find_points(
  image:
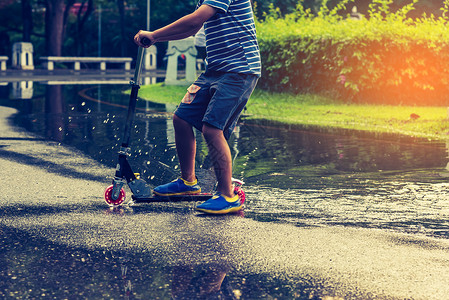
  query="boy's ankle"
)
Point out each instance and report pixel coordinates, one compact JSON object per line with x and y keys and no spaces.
{"x":227,"y":195}
{"x":190,"y":180}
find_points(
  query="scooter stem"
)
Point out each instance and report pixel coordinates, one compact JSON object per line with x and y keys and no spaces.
{"x":123,"y":171}
{"x":138,"y":68}
{"x":135,"y":85}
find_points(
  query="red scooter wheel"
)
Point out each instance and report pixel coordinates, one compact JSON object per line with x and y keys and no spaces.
{"x":108,"y":196}
{"x":239,"y":191}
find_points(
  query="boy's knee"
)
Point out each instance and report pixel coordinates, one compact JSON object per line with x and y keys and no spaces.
{"x":210,"y":132}
{"x":178,"y":122}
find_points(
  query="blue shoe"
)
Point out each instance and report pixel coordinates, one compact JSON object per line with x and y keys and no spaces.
{"x":220,"y":204}
{"x":178,"y":187}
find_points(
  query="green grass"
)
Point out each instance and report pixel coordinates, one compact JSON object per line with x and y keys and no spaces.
{"x":326,"y":112}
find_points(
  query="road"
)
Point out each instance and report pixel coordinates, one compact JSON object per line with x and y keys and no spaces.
{"x":53,"y":193}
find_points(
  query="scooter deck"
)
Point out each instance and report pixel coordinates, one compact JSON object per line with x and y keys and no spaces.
{"x":176,"y":198}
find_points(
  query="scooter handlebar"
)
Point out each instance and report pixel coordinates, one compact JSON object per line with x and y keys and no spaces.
{"x":146,"y":41}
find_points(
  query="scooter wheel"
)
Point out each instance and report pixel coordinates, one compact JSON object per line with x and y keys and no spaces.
{"x":239,"y":191}
{"x":108,"y":196}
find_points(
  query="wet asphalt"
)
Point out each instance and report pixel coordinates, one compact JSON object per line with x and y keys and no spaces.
{"x":54,"y":193}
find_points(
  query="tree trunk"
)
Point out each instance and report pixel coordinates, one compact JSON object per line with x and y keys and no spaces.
{"x":27,"y":19}
{"x":121,"y":9}
{"x":54,"y":26}
{"x":81,"y":20}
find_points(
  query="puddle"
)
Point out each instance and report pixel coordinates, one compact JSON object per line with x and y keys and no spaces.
{"x":309,"y":177}
{"x":98,"y":274}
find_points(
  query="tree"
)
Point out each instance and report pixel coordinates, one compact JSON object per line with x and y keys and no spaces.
{"x":121,"y":9}
{"x":57,"y":27}
{"x":83,"y":13}
{"x":285,"y":6}
{"x":55,"y":20}
{"x":27,"y":19}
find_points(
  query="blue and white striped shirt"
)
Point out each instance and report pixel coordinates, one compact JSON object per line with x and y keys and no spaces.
{"x":231,"y":42}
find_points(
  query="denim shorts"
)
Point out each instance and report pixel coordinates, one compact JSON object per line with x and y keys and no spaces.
{"x":217,"y":99}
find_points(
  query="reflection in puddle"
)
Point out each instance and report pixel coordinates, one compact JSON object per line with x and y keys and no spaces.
{"x":405,"y":207}
{"x":22,"y":90}
{"x":39,"y":269}
{"x":308,"y":177}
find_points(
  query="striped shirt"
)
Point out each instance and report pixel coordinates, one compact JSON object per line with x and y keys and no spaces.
{"x":231,"y":41}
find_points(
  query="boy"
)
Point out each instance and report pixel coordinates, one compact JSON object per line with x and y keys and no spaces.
{"x":215,"y":100}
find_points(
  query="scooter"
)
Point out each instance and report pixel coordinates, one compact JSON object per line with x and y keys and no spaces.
{"x":114,"y":194}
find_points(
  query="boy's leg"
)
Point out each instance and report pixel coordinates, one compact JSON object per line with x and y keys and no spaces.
{"x":231,"y":92}
{"x":221,"y":158}
{"x":185,"y":147}
{"x":225,"y":200}
{"x":189,"y":114}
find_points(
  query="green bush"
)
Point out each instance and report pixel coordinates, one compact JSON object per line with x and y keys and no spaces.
{"x":385,"y":57}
